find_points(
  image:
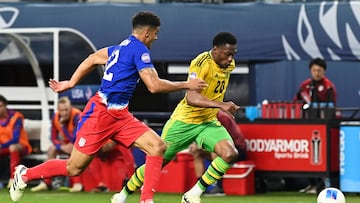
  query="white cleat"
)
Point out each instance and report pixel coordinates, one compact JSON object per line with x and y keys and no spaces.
{"x":116,"y":198}
{"x":77,"y":187}
{"x":186,"y":198}
{"x":18,"y":186}
{"x":11,"y":180}
{"x":41,"y":187}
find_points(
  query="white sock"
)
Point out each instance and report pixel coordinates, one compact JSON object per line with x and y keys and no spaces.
{"x":195,"y":191}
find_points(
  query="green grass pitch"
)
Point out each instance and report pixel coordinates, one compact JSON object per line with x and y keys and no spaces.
{"x":82,"y":197}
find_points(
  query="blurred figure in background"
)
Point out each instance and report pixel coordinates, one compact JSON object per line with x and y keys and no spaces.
{"x":316,"y":90}
{"x":201,"y":155}
{"x":63,"y":134}
{"x":111,"y":155}
{"x":14,"y":142}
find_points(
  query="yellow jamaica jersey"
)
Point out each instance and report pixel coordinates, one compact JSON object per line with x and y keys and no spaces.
{"x":205,"y":68}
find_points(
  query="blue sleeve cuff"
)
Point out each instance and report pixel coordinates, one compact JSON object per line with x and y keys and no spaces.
{"x":58,"y":147}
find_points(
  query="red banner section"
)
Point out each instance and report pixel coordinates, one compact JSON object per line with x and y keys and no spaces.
{"x":290,"y":147}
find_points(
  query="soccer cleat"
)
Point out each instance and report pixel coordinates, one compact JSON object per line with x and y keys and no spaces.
{"x":11,"y":180}
{"x":116,"y":198}
{"x":77,"y":187}
{"x":100,"y":189}
{"x":190,"y":199}
{"x":309,"y":187}
{"x":41,"y":187}
{"x":18,"y":186}
{"x":312,"y":190}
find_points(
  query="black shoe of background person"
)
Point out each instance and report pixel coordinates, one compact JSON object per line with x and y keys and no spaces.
{"x":100,"y":189}
{"x":216,"y":191}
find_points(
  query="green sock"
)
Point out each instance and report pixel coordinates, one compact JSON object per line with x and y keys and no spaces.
{"x":135,"y":182}
{"x":214,"y":173}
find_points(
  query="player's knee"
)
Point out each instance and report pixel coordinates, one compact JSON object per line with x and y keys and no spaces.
{"x":15,"y":148}
{"x":73,"y":170}
{"x":229,"y":155}
{"x":161,"y":146}
{"x":158,"y":148}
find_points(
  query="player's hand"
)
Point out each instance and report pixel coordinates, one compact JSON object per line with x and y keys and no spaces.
{"x":230,"y":108}
{"x":196,"y":84}
{"x":59,"y":86}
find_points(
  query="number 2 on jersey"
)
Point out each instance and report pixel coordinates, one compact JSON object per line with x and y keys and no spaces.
{"x":113,"y":59}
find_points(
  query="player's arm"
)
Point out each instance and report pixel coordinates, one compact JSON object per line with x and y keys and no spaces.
{"x":100,"y":57}
{"x":195,"y":98}
{"x":156,"y":85}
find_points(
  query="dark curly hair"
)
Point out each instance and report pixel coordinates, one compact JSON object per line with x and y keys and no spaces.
{"x":145,"y":18}
{"x":318,"y":61}
{"x":224,"y":38}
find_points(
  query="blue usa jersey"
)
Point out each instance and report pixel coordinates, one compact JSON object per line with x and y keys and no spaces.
{"x":122,"y":72}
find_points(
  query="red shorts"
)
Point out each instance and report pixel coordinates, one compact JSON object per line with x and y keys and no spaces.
{"x":6,"y":151}
{"x":98,"y":124}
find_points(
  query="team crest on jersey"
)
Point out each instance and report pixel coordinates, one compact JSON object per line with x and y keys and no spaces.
{"x":192,"y":75}
{"x":82,"y":142}
{"x":145,"y":57}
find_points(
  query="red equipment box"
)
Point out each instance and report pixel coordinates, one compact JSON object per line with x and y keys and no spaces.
{"x":240,"y":179}
{"x":179,"y":175}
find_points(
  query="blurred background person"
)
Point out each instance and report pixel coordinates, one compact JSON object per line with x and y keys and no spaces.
{"x":63,"y":134}
{"x":113,"y":161}
{"x":14,"y":142}
{"x":318,"y":88}
{"x":315,"y":90}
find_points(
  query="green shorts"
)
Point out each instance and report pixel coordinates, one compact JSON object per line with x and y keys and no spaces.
{"x":179,"y":135}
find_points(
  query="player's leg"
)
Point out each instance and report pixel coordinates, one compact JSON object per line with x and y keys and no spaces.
{"x":15,"y":157}
{"x":4,"y":152}
{"x":171,"y":133}
{"x":51,"y":154}
{"x":199,"y":156}
{"x":136,"y":133}
{"x":89,"y":140}
{"x":58,"y":167}
{"x":54,"y":167}
{"x":14,"y":152}
{"x":46,"y":183}
{"x":154,"y":148}
{"x":77,"y":186}
{"x":216,"y":139}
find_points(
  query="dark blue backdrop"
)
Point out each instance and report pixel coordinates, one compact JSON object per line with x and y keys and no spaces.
{"x":265,"y":31}
{"x":291,"y":34}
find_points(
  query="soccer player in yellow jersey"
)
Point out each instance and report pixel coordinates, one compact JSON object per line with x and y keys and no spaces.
{"x":194,"y":119}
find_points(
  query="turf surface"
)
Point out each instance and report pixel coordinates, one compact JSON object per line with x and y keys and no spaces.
{"x":66,"y":197}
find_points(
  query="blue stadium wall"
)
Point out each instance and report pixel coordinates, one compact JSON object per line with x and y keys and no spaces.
{"x":277,"y":40}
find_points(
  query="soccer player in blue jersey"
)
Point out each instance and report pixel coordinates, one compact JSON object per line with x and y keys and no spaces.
{"x":106,"y":114}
